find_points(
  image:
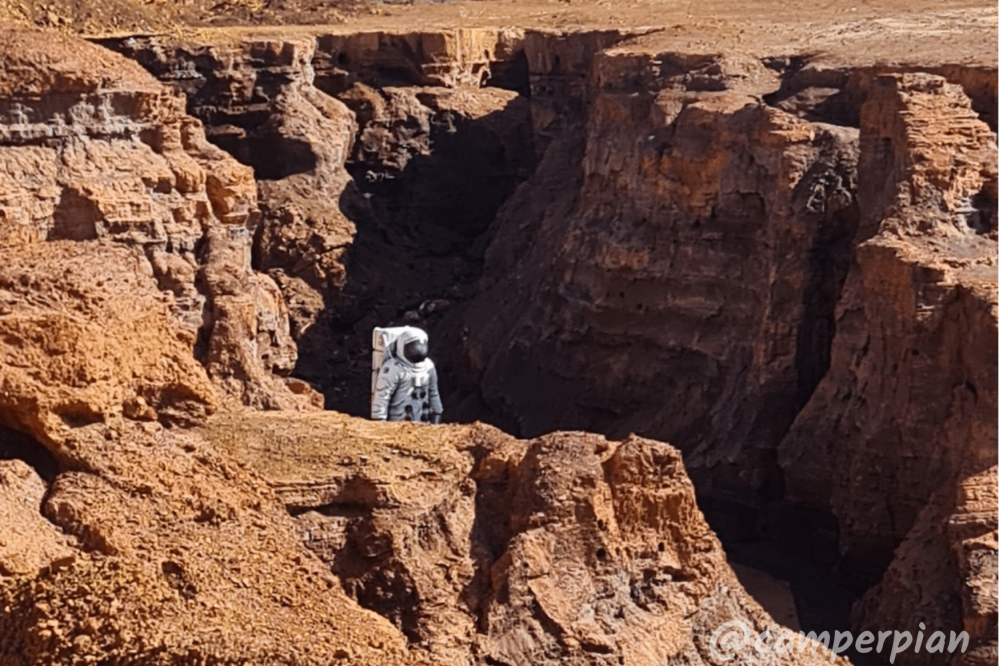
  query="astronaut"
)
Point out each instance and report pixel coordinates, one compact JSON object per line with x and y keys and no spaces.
{"x":406,"y":387}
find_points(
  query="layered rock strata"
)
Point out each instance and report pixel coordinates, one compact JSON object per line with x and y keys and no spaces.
{"x":96,"y":152}
{"x":257,"y":101}
{"x":907,"y":411}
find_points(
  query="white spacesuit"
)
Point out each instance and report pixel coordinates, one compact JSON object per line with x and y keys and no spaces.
{"x":406,"y":387}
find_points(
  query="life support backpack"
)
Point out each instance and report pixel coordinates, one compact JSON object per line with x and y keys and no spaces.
{"x":383,"y":348}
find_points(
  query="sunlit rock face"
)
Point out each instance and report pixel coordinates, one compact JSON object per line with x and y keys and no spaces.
{"x":95,"y":151}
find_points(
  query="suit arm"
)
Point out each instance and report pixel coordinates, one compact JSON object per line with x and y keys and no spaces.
{"x":436,"y":407}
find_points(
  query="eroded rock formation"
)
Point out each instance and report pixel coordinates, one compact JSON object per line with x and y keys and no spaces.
{"x":131,"y":312}
{"x":258,"y":103}
{"x":180,"y":553}
{"x":725,"y":216}
{"x":96,"y":152}
{"x":785,"y":266}
{"x":29,"y":542}
{"x":567,"y":549}
{"x":88,"y":336}
{"x":380,"y":165}
{"x":788,"y":271}
{"x":901,"y":414}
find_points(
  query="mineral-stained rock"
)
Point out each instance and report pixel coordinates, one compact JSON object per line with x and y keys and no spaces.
{"x":486,"y":549}
{"x":92,"y":148}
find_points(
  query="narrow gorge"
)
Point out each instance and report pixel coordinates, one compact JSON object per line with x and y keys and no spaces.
{"x":708,"y":306}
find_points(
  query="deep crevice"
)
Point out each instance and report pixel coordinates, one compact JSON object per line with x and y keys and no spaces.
{"x":829,"y":260}
{"x":15,"y":445}
{"x":420,"y":243}
{"x":272,"y":157}
{"x":421,"y":236}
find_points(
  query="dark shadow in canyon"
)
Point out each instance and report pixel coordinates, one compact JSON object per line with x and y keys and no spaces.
{"x":418,"y":251}
{"x":272,"y":157}
{"x":796,"y":544}
{"x":15,"y":445}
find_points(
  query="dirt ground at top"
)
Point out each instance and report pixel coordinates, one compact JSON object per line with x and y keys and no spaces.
{"x":900,"y":31}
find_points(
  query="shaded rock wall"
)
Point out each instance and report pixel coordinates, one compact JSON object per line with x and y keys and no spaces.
{"x":899,"y":436}
{"x":367,"y":214}
{"x":725,"y":215}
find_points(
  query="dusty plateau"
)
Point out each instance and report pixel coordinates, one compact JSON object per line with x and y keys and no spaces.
{"x":711,"y":288}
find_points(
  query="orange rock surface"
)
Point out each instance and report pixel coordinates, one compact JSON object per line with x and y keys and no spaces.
{"x":765,"y":236}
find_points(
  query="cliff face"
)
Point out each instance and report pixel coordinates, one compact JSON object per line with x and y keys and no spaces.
{"x":783,"y":265}
{"x":692,"y":215}
{"x":257,"y":101}
{"x":99,"y":157}
{"x":900,"y":437}
{"x":788,"y":271}
{"x":902,"y":394}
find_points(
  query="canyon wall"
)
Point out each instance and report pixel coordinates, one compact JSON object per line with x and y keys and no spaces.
{"x":702,"y":248}
{"x":624,"y":271}
{"x":787,"y":271}
{"x":784,"y":267}
{"x":101,"y":159}
{"x":899,"y":439}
